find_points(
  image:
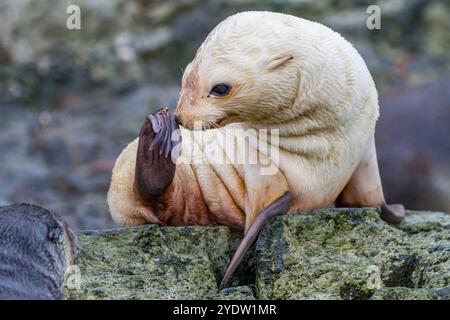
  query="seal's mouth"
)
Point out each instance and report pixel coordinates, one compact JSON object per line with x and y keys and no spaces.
{"x":203,"y":123}
{"x":220,"y":123}
{"x":225,"y":121}
{"x":209,"y":125}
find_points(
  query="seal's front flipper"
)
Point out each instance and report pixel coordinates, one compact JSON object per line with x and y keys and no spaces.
{"x":155,"y":163}
{"x":278,"y":207}
{"x":364,"y":188}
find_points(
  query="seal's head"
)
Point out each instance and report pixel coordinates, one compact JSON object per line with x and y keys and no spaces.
{"x":37,"y":248}
{"x":240,"y":66}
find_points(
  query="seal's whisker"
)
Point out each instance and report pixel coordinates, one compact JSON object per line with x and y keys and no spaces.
{"x":215,"y":126}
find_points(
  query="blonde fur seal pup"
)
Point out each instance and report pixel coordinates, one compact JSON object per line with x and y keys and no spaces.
{"x":254,"y":71}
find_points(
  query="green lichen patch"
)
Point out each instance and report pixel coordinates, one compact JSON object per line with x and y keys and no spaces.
{"x":401,"y":293}
{"x":428,"y":234}
{"x":236,"y":293}
{"x":154,"y":263}
{"x":325,"y":254}
{"x":420,"y":222}
{"x":350,"y":254}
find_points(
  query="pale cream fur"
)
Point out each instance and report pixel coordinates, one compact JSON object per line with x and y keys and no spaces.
{"x":323,"y":101}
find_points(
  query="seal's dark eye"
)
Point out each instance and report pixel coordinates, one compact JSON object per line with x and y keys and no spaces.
{"x":220,"y":90}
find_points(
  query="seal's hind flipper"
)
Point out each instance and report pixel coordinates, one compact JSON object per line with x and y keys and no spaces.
{"x":364,"y":188}
{"x":393,"y":213}
{"x":278,"y":207}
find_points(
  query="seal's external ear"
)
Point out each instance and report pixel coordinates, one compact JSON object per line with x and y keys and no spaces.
{"x":278,"y":61}
{"x":55,"y":234}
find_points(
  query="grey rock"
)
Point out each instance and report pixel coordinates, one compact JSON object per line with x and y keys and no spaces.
{"x":155,"y":263}
{"x":402,"y":293}
{"x":325,"y":254}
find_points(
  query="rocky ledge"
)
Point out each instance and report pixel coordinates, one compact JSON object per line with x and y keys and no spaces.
{"x":326,"y":254}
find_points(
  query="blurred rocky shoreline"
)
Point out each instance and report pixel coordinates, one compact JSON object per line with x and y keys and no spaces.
{"x":70,"y":100}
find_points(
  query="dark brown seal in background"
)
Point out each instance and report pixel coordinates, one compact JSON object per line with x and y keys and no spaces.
{"x":413,"y":143}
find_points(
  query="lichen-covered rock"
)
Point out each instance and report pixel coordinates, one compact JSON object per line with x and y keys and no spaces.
{"x":330,"y":254}
{"x":155,"y":263}
{"x":351,"y":254}
{"x":428,"y":234}
{"x":402,"y":293}
{"x":325,"y":254}
{"x":236,"y":293}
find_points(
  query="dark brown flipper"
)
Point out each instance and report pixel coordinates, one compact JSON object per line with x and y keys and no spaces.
{"x":276,"y":208}
{"x":155,"y":166}
{"x":393,"y":213}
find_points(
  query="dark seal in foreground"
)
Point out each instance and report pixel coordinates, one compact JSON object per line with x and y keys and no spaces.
{"x":36,"y":248}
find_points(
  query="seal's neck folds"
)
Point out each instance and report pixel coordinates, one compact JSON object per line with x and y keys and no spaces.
{"x":302,"y":135}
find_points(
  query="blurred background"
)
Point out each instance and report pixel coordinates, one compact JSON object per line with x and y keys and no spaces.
{"x":70,"y":100}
